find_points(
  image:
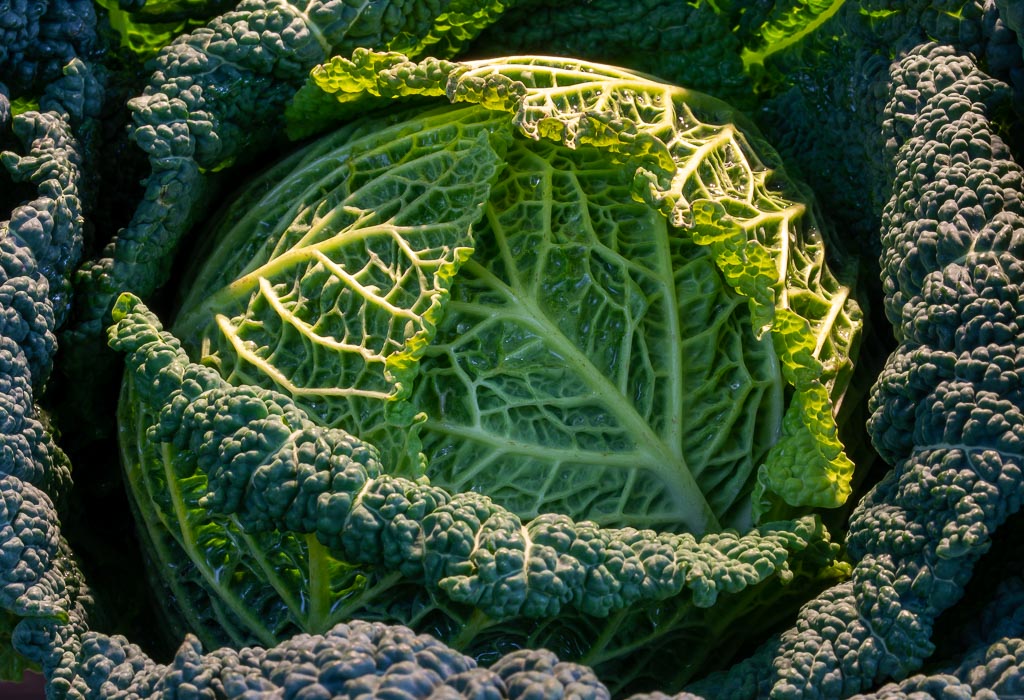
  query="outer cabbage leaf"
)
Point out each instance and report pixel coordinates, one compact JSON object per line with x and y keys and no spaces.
{"x":42,"y":180}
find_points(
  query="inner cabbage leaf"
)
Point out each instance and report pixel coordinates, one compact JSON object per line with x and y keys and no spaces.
{"x":592,"y":361}
{"x":585,"y":293}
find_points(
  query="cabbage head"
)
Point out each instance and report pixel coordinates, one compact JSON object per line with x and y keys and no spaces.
{"x":585,"y":307}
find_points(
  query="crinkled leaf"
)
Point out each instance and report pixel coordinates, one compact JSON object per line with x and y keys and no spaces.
{"x":337,"y":295}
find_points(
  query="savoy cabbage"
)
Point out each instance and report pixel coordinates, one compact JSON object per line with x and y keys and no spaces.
{"x":577,"y":292}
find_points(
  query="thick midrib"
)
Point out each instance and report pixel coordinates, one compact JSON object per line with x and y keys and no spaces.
{"x":185,"y":535}
{"x":243,"y":287}
{"x":656,"y":455}
{"x":670,"y":307}
{"x":320,"y":597}
{"x":191,"y":546}
{"x":501,"y":443}
{"x":155,"y":522}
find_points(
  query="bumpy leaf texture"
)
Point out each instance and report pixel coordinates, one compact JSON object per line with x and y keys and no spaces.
{"x":39,"y":37}
{"x":356,"y":660}
{"x":39,"y":245}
